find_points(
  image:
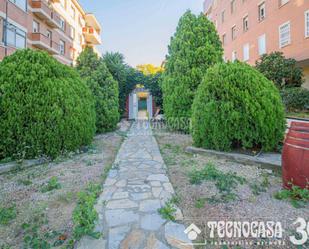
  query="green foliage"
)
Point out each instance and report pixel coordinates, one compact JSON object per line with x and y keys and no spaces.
{"x":51,"y":185}
{"x":295,"y":99}
{"x":193,"y":49}
{"x":297,"y":196}
{"x":153,"y":83}
{"x":200,"y":203}
{"x":7,"y":214}
{"x":259,"y":187}
{"x":45,"y":108}
{"x":104,"y":89}
{"x":119,"y":70}
{"x":168,"y":211}
{"x":237,"y":107}
{"x":225,"y":182}
{"x":85,"y":215}
{"x":282,"y":71}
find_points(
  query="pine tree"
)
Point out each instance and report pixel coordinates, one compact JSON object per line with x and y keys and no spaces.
{"x":104,"y":89}
{"x":193,"y":49}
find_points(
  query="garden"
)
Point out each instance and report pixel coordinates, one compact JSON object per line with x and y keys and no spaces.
{"x":61,"y":128}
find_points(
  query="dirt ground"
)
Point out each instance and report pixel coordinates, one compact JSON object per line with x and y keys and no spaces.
{"x":199,"y":206}
{"x":52,"y":211}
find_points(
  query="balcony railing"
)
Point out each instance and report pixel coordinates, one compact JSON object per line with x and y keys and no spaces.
{"x":42,"y":9}
{"x":43,"y":42}
{"x":91,"y":35}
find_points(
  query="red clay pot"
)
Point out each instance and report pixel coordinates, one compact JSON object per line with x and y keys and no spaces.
{"x":295,"y":156}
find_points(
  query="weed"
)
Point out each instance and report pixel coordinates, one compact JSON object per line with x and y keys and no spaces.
{"x":51,"y":185}
{"x":200,"y":202}
{"x":85,"y":215}
{"x":225,"y":182}
{"x":7,"y":214}
{"x":259,"y":187}
{"x":175,"y":199}
{"x":297,"y":196}
{"x":167,"y":212}
{"x":66,"y":197}
{"x":25,"y":182}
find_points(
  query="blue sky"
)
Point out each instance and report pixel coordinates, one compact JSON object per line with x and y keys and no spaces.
{"x":139,"y":29}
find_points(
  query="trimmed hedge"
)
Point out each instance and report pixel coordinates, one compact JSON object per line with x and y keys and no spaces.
{"x":194,"y":48}
{"x":236,"y":106}
{"x":104,"y":89}
{"x":295,"y":99}
{"x":45,"y":108}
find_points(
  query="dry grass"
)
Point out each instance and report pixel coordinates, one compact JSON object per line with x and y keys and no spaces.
{"x":199,"y":204}
{"x":52,"y":211}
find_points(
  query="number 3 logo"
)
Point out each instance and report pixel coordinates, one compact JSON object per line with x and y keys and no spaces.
{"x":301,"y":230}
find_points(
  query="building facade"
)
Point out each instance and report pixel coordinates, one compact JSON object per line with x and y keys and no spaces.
{"x":60,"y":27}
{"x":250,"y":28}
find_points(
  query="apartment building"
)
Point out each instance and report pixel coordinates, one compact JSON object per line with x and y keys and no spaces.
{"x":251,"y":28}
{"x":60,"y":27}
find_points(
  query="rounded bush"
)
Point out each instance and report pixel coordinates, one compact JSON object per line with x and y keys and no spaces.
{"x":236,"y":106}
{"x":45,"y":108}
{"x":295,"y":99}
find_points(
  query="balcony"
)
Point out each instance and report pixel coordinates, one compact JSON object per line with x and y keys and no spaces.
{"x":43,"y":42}
{"x":42,"y":10}
{"x":91,"y":35}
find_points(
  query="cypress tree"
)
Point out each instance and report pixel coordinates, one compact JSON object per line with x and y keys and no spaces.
{"x":104,"y":89}
{"x":193,"y":49}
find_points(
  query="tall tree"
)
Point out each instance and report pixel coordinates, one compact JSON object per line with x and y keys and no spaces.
{"x":149,"y":69}
{"x":104,"y":89}
{"x":193,"y":49}
{"x":119,"y":70}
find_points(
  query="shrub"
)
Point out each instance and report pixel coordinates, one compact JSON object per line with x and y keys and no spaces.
{"x":295,"y":98}
{"x":104,"y":89}
{"x":193,"y":49}
{"x":236,"y":106}
{"x":45,"y":108}
{"x":282,"y":71}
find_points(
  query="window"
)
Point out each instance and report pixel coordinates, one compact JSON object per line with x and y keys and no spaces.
{"x":284,"y":34}
{"x":72,"y":32}
{"x":283,"y":2}
{"x":223,"y":16}
{"x":262,"y":44}
{"x":49,"y":34}
{"x":234,"y":56}
{"x":245,"y":23}
{"x":72,"y":12}
{"x":232,"y":6}
{"x":246,"y":51}
{"x":307,"y":23}
{"x":223,"y":39}
{"x":35,"y":27}
{"x":62,"y":23}
{"x":62,"y":47}
{"x":262,"y":11}
{"x":233,"y":32}
{"x":20,"y":3}
{"x":14,"y":36}
{"x":1,"y":30}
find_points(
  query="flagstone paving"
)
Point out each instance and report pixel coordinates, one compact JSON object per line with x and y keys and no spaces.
{"x":134,"y":190}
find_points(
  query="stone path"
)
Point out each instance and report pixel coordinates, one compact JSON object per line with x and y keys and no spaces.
{"x":134,"y":190}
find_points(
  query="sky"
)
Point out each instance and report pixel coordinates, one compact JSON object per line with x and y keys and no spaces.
{"x":139,"y":29}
